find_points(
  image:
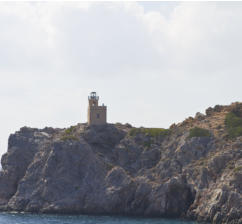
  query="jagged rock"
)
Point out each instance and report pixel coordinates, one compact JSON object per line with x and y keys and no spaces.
{"x":218,"y":108}
{"x":22,"y":147}
{"x":193,"y":149}
{"x":105,"y":170}
{"x":199,"y":116}
{"x":209,"y":111}
{"x":103,"y":135}
{"x":219,"y":162}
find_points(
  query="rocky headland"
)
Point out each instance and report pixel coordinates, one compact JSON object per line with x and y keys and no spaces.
{"x":191,"y":170}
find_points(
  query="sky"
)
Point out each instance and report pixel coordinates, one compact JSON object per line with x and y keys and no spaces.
{"x":151,"y":63}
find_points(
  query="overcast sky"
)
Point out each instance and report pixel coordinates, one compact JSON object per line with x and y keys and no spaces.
{"x":152,"y":64}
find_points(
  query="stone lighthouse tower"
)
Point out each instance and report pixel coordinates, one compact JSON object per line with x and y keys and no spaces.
{"x":96,"y":115}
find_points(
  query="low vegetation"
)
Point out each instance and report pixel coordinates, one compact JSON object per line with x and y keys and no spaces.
{"x":69,"y":130}
{"x":238,"y":169}
{"x":199,"y":132}
{"x":68,"y":134}
{"x":69,"y":137}
{"x":233,"y":124}
{"x":153,"y":132}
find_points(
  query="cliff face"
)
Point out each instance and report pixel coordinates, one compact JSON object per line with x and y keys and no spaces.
{"x":115,"y":169}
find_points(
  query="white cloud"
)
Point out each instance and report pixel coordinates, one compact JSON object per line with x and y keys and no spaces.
{"x":152,"y":63}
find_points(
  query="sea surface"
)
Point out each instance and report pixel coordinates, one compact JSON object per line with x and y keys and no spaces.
{"x":16,"y":218}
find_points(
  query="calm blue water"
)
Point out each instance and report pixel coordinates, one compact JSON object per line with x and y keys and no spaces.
{"x":9,"y":218}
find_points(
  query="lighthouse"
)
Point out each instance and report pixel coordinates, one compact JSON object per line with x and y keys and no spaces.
{"x":96,"y":115}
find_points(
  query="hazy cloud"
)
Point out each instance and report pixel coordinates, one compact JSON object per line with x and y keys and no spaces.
{"x":152,"y":63}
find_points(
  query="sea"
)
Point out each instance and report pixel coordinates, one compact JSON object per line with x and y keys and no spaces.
{"x":22,"y":218}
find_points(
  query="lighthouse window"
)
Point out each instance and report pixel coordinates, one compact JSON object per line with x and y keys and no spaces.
{"x":98,"y":115}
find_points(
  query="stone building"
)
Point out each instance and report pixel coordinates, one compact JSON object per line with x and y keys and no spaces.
{"x":97,"y":115}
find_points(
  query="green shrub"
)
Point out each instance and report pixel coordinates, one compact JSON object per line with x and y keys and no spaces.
{"x":232,"y":120}
{"x":238,"y":169}
{"x":69,"y":130}
{"x":134,"y":131}
{"x":199,"y":132}
{"x":69,"y":137}
{"x":153,"y":132}
{"x":237,"y":110}
{"x":233,"y":124}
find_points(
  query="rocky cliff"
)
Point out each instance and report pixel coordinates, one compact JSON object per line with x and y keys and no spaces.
{"x":191,"y":170}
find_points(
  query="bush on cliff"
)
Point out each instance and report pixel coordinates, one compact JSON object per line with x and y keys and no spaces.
{"x":199,"y":132}
{"x":68,"y":134}
{"x":233,"y":124}
{"x":153,"y":132}
{"x":69,"y":137}
{"x":237,"y":109}
{"x":155,"y":135}
{"x":69,"y":130}
{"x":238,"y":169}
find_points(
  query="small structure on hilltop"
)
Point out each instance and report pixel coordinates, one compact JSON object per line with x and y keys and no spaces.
{"x":97,"y":115}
